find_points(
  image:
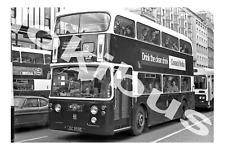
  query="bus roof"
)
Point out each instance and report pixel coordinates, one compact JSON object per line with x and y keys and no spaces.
{"x":127,"y":14}
{"x":203,"y":71}
{"x":24,"y":49}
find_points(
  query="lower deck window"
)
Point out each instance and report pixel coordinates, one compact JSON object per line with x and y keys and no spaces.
{"x":23,"y":84}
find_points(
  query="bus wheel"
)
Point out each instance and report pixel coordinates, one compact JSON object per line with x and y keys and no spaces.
{"x":138,"y":122}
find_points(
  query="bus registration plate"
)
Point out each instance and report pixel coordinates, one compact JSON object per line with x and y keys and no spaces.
{"x":71,"y":128}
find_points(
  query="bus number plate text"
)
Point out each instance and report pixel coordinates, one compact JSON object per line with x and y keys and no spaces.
{"x":71,"y":128}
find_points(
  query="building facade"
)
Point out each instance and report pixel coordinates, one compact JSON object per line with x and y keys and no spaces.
{"x":209,"y":21}
{"x":26,"y":22}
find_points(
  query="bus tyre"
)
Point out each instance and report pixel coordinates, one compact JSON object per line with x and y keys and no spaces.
{"x":138,"y":122}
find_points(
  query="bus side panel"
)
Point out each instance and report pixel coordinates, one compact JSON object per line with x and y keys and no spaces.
{"x":157,"y":115}
{"x":154,"y":117}
{"x":187,"y":99}
{"x":123,"y":50}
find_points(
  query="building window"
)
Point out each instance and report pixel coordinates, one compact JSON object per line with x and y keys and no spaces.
{"x":13,"y":12}
{"x":47,"y":21}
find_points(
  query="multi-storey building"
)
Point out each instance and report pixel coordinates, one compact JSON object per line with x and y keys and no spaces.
{"x":147,"y":12}
{"x":27,"y":21}
{"x":175,"y":18}
{"x":200,"y":40}
{"x":209,"y":21}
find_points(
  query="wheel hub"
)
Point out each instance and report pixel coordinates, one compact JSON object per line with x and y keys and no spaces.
{"x":140,"y":119}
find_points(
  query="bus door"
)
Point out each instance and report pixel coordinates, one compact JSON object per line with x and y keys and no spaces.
{"x":122,"y":102}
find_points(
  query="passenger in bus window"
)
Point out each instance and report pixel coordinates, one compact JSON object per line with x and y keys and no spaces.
{"x":157,"y":86}
{"x":184,"y":49}
{"x":117,"y":27}
{"x":168,"y":87}
{"x":168,"y":42}
{"x":143,"y":35}
{"x":174,"y":87}
{"x":128,"y":31}
{"x":154,"y":39}
{"x":175,"y":47}
{"x":185,"y":86}
{"x":149,"y":88}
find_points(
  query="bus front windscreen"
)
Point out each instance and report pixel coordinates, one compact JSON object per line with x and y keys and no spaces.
{"x":200,"y":82}
{"x":82,"y":23}
{"x":76,"y":82}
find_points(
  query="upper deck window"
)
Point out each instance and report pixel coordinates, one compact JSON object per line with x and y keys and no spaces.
{"x":124,"y":26}
{"x":169,"y":41}
{"x":148,"y":34}
{"x":185,"y":47}
{"x":32,"y":58}
{"x":82,"y":23}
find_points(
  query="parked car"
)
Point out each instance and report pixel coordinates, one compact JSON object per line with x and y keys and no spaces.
{"x":30,"y":110}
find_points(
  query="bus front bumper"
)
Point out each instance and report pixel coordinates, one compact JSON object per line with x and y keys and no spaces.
{"x":81,"y":121}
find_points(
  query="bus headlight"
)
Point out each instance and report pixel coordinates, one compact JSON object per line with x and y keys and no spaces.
{"x":103,"y":113}
{"x":94,"y":120}
{"x":94,"y":110}
{"x":57,"y":107}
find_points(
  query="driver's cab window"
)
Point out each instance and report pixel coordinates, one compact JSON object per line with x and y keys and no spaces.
{"x":31,"y":103}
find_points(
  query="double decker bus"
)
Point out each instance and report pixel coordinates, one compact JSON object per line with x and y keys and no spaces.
{"x":204,"y":87}
{"x":31,"y":71}
{"x":108,"y":68}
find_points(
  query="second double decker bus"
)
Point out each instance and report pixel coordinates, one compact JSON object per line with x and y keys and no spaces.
{"x":109,"y":66}
{"x":31,"y":71}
